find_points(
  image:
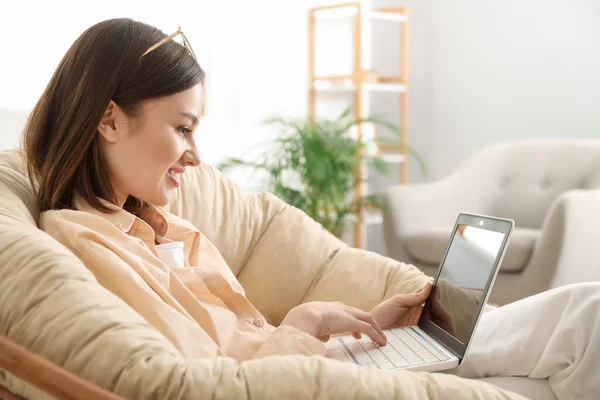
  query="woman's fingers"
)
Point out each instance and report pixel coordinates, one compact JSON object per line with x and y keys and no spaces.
{"x":426,"y":291}
{"x":368,"y":318}
{"x":368,"y":325}
{"x":369,"y":330}
{"x":414,"y":299}
{"x":325,"y":338}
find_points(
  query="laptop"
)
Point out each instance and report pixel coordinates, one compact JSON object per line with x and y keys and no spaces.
{"x":459,"y":293}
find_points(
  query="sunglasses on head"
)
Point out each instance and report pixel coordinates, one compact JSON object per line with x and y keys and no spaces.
{"x":184,"y":40}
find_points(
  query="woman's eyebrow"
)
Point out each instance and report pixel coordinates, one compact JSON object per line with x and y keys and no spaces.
{"x":191,"y":116}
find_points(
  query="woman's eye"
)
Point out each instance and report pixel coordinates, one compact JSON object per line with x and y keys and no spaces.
{"x":183,"y":130}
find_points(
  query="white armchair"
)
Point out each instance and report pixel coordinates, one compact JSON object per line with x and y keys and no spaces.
{"x":545,"y":186}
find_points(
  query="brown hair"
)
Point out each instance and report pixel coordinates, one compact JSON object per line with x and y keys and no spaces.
{"x":105,"y":63}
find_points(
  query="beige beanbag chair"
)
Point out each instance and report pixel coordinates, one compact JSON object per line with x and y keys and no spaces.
{"x":51,"y":304}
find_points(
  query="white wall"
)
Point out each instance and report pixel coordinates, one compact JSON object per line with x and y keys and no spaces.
{"x":479,"y":70}
{"x":11,"y":124}
{"x":511,"y":69}
{"x":38,"y":33}
{"x":258,"y":62}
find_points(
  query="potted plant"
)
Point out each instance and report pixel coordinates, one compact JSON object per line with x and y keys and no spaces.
{"x":312,"y":165}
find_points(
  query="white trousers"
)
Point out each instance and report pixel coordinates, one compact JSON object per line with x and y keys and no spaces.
{"x":554,"y":335}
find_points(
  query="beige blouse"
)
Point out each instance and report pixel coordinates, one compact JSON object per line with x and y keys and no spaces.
{"x":200,"y":306}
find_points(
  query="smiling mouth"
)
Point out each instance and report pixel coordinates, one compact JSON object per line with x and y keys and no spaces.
{"x":174,"y":175}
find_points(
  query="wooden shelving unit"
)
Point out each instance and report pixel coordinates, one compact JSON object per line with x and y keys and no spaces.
{"x":359,"y":83}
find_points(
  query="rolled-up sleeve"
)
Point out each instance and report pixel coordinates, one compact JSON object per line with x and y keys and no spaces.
{"x":288,"y":340}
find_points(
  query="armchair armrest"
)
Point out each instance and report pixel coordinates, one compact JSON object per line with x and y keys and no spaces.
{"x":578,"y":261}
{"x":568,"y":251}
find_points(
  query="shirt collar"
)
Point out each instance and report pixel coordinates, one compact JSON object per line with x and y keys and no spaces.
{"x":124,"y":220}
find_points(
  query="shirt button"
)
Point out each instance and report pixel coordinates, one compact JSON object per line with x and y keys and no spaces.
{"x":258,"y":322}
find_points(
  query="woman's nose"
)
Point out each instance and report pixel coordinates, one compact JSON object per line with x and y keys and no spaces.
{"x":191,"y":158}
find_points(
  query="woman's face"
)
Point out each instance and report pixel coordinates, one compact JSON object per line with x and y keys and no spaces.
{"x":147,"y":154}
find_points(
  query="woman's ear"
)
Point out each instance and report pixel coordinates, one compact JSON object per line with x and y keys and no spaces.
{"x":108,"y":123}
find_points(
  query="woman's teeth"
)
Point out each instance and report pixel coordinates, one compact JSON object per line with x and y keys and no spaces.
{"x":174,"y":175}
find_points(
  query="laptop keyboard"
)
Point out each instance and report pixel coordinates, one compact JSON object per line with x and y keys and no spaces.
{"x":405,"y":347}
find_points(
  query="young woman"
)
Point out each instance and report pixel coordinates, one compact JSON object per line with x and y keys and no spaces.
{"x":108,"y":140}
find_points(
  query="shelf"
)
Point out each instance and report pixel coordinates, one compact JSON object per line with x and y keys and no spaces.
{"x":392,"y":158}
{"x":346,"y":85}
{"x":334,"y":78}
{"x":359,"y":83}
{"x":348,"y":12}
{"x":386,"y":16}
{"x":337,"y":85}
{"x":385,"y":87}
{"x":390,"y":147}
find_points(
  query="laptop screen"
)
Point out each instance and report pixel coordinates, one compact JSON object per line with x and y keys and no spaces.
{"x":459,"y":289}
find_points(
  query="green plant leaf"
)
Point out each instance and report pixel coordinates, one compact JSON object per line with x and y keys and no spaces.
{"x":346,"y":112}
{"x":373,"y":200}
{"x":237,"y":162}
{"x":312,"y":165}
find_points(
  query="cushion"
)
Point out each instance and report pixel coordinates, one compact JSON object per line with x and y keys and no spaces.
{"x":428,"y":247}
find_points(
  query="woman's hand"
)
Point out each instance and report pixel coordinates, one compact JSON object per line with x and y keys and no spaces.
{"x":323,"y":319}
{"x":401,"y":310}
